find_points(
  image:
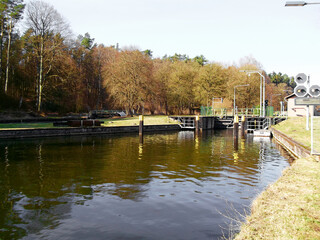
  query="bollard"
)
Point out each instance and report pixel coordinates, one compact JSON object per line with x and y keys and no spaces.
{"x":243,"y":126}
{"x":141,"y":125}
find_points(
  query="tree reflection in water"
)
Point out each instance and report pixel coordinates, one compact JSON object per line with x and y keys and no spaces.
{"x":43,"y":182}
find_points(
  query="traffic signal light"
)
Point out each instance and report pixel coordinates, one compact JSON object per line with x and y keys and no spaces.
{"x":302,"y":89}
{"x":266,"y":103}
{"x":314,"y":91}
{"x":301,"y":78}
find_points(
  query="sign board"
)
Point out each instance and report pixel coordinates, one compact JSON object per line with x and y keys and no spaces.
{"x":219,"y":100}
{"x":307,"y":101}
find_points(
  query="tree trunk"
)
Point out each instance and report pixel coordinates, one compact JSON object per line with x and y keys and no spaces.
{"x":40,"y":80}
{"x":8,"y":57}
{"x":99,"y":86}
{"x":166,"y":106}
{"x":1,"y":40}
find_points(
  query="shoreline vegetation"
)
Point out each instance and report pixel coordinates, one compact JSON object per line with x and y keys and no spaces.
{"x":46,"y":68}
{"x":288,"y":208}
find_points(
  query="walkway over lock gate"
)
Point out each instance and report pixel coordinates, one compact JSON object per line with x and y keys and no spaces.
{"x":213,"y":122}
{"x":227,"y":112}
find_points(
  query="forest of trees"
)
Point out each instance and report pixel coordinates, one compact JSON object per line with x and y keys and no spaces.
{"x":46,"y":69}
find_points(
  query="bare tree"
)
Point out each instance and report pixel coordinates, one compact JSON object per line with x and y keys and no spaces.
{"x":15,"y":9}
{"x":49,"y":30}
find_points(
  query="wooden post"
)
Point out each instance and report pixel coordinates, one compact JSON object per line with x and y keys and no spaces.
{"x":243,"y":126}
{"x":141,"y":125}
{"x":235,"y":132}
{"x":140,"y":139}
{"x":197,"y":124}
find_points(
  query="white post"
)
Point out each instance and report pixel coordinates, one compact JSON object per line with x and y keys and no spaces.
{"x":234,"y":101}
{"x":308,"y":116}
{"x":260,"y":96}
{"x":311,"y":135}
{"x":308,"y":110}
{"x":264,"y":96}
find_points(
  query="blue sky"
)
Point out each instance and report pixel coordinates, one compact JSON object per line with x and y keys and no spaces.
{"x":282,"y":39}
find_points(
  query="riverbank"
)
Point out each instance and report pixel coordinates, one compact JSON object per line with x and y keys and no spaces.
{"x":289,"y":208}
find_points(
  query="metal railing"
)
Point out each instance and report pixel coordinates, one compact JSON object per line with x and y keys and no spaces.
{"x":185,"y":122}
{"x":227,"y":112}
{"x":259,"y":123}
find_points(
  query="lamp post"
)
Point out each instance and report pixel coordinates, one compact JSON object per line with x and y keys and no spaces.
{"x":234,"y":96}
{"x":298,"y":3}
{"x":262,"y":105}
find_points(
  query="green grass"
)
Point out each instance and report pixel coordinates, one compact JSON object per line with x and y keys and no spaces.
{"x":25,"y":125}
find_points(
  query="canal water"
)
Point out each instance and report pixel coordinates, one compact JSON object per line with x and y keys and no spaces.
{"x":173,"y":186}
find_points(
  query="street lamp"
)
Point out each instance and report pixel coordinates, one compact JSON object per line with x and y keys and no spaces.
{"x":298,"y":3}
{"x":262,"y":102}
{"x":234,"y":96}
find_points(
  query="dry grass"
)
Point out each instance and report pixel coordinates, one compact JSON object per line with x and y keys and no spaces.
{"x":295,"y":128}
{"x":133,"y":121}
{"x":289,"y":208}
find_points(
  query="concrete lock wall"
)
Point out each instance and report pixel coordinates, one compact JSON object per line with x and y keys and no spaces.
{"x":50,"y":132}
{"x":295,"y":148}
{"x":206,"y":123}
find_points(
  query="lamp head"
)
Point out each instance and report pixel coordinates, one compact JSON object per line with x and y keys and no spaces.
{"x":295,"y":4}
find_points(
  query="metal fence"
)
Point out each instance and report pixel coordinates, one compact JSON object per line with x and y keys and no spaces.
{"x":315,"y":135}
{"x":259,"y":123}
{"x":224,"y":112}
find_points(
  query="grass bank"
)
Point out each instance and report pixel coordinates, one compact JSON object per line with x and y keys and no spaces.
{"x":25,"y":125}
{"x":289,"y":208}
{"x":132,"y":121}
{"x":295,"y":128}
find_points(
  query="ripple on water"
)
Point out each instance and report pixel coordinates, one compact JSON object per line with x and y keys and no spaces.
{"x":110,"y":187}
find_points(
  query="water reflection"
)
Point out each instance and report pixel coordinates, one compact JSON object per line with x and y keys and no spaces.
{"x":170,"y":186}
